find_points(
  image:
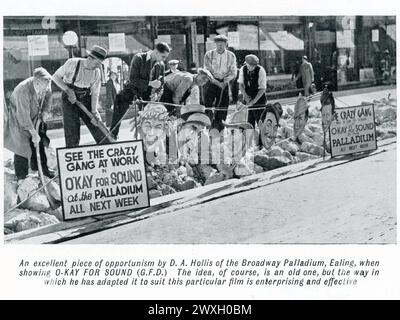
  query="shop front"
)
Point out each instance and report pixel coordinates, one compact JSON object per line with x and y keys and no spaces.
{"x":366,"y":50}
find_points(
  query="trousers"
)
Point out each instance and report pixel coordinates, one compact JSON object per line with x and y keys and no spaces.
{"x":214,"y":98}
{"x":121,"y":104}
{"x":72,"y":124}
{"x":254,"y":115}
{"x":21,"y":164}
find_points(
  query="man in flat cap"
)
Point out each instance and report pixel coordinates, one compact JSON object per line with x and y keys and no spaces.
{"x":192,"y":140}
{"x":173,"y":67}
{"x":252,"y":84}
{"x":147,"y":72}
{"x":306,"y":74}
{"x":30,"y":101}
{"x":183,"y":87}
{"x":222,"y":65}
{"x":80,"y":80}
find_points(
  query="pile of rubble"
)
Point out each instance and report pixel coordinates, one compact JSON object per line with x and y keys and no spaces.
{"x":165,"y":180}
{"x":34,"y":212}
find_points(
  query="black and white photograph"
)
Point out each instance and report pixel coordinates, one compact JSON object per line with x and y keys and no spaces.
{"x":211,"y":129}
{"x":255,"y":129}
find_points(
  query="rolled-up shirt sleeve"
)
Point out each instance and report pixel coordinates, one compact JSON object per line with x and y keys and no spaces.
{"x":66,"y":70}
{"x":232,"y":69}
{"x":312,"y":72}
{"x":207,"y":61}
{"x":241,"y":77}
{"x":95,"y":89}
{"x":262,"y":79}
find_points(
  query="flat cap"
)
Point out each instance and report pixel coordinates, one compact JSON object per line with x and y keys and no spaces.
{"x":41,"y":73}
{"x":199,"y":118}
{"x":220,"y":37}
{"x":173,"y":61}
{"x":252,"y":59}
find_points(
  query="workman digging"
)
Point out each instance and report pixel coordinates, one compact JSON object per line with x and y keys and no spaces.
{"x":80,"y":81}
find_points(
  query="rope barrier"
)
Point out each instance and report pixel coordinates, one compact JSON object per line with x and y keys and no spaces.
{"x":254,"y":107}
{"x":117,"y":124}
{"x":346,"y":104}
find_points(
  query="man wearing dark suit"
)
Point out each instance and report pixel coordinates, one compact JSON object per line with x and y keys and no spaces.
{"x":146,"y":76}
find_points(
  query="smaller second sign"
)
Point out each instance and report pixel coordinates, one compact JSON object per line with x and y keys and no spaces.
{"x":353,"y":130}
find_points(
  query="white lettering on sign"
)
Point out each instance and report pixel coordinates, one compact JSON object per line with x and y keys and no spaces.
{"x":353,"y":130}
{"x":100,"y":179}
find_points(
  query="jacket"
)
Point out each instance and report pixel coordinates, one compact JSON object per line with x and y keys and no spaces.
{"x":22,"y":113}
{"x":142,"y":72}
{"x":111,"y":93}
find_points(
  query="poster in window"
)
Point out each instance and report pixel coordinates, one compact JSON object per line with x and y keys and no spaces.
{"x":116,"y":42}
{"x":38,"y":45}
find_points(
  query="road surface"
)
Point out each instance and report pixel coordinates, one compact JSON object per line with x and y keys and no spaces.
{"x":350,"y":203}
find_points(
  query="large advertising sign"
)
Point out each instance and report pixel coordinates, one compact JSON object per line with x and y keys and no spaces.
{"x":100,"y":179}
{"x":353,"y":130}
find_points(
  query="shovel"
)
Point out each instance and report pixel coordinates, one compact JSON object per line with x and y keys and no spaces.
{"x":218,"y":105}
{"x":50,"y":198}
{"x":100,"y":125}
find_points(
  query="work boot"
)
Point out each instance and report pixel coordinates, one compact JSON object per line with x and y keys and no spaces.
{"x":49,"y":173}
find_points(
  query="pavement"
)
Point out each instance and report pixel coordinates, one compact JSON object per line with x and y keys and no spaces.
{"x":352,"y":203}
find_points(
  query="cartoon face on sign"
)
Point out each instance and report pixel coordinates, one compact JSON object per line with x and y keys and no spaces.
{"x":191,"y":136}
{"x":268,"y":130}
{"x":152,"y":125}
{"x":300,"y":116}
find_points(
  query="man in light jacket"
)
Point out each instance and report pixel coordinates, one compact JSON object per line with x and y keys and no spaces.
{"x":222,"y":65}
{"x":183,"y":88}
{"x":29,"y":101}
{"x":306,"y":74}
